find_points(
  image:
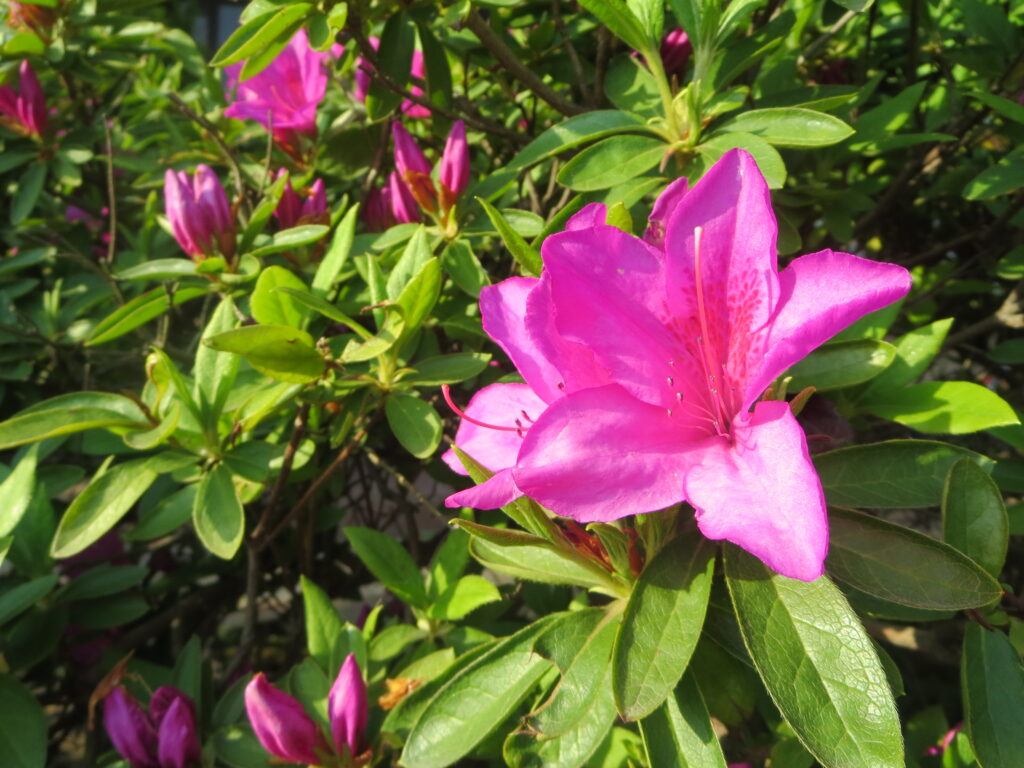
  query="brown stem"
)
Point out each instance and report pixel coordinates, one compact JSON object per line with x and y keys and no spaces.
{"x":298,"y":432}
{"x":511,"y":62}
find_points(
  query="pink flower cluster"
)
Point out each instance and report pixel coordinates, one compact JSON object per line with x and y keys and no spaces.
{"x":293,"y":211}
{"x":24,"y":110}
{"x":201,"y":217}
{"x":644,"y":363}
{"x":163,"y":737}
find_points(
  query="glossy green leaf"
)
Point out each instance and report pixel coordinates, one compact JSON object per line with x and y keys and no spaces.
{"x":159,"y":269}
{"x":317,"y":304}
{"x":447,"y":369}
{"x":818,"y":664}
{"x":463,"y":597}
{"x":842,"y":364}
{"x":273,"y":307}
{"x":612,"y":161}
{"x":890,"y":475}
{"x":278,"y":351}
{"x":435,"y":64}
{"x":661,"y":624}
{"x":574,"y":131}
{"x":397,"y":41}
{"x":992,"y":685}
{"x":390,"y":563}
{"x":258,"y":32}
{"x":16,"y":490}
{"x":464,"y":267}
{"x":217,"y":513}
{"x":790,"y":126}
{"x":1003,"y":178}
{"x":103,"y":580}
{"x":621,"y":22}
{"x":69,"y":413}
{"x":419,"y":296}
{"x":99,"y":507}
{"x":414,"y":422}
{"x":903,"y":566}
{"x":527,"y":257}
{"x":323,"y":625}
{"x":30,"y":186}
{"x":944,"y":407}
{"x":415,"y":254}
{"x":23,"y":726}
{"x":22,"y":597}
{"x":477,"y":698}
{"x":974,"y":517}
{"x":534,"y":559}
{"x":214,"y":372}
{"x":679,"y":732}
{"x":139,"y":310}
{"x":337,"y":254}
{"x":914,"y":352}
{"x":296,"y":237}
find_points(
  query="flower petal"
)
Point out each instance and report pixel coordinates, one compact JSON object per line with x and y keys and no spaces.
{"x":177,"y":745}
{"x":608,"y":291}
{"x":820,"y":294}
{"x":590,"y":215}
{"x":347,"y":708}
{"x":497,"y":491}
{"x":129,"y":728}
{"x":664,"y":206}
{"x":281,"y":724}
{"x":760,"y":492}
{"x":500,"y":405}
{"x":601,"y":454}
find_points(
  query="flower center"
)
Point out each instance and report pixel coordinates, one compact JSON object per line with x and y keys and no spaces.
{"x":713,"y":373}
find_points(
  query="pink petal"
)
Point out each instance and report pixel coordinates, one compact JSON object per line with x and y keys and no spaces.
{"x":454,"y":168}
{"x":664,"y":206}
{"x":819,"y":295}
{"x":759,"y":490}
{"x":590,"y":215}
{"x":500,"y":405}
{"x":281,"y":724}
{"x":496,"y":492}
{"x":178,"y":205}
{"x":503,"y":308}
{"x":212,"y":199}
{"x":348,"y":709}
{"x":607,"y":288}
{"x":601,"y":454}
{"x":737,"y":279}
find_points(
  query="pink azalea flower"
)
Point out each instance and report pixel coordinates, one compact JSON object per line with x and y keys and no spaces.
{"x":24,"y":111}
{"x":675,"y":51}
{"x":284,"y":96}
{"x":377,"y":210}
{"x":199,"y":212}
{"x":403,"y":204}
{"x":453,"y":172}
{"x":654,"y":399}
{"x":418,"y":69}
{"x":292,"y":210}
{"x":164,"y":737}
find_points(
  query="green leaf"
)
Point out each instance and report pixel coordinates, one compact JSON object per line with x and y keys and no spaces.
{"x":291,"y":238}
{"x":621,"y":22}
{"x":1010,"y":352}
{"x":159,"y":269}
{"x":992,"y":684}
{"x":464,"y":267}
{"x":419,"y":296}
{"x":278,"y":351}
{"x":527,"y":257}
{"x":447,"y":369}
{"x":259,"y":32}
{"x":611,"y":162}
{"x":463,"y":597}
{"x":574,"y":131}
{"x":416,"y":253}
{"x":477,"y":698}
{"x":891,"y":475}
{"x":69,"y":413}
{"x":414,"y":422}
{"x":394,"y":55}
{"x":790,"y":127}
{"x":30,"y":185}
{"x":944,"y":407}
{"x":139,"y":310}
{"x":17,"y":599}
{"x":842,"y":364}
{"x":903,"y":566}
{"x":914,"y":352}
{"x":1004,"y":177}
{"x":214,"y":373}
{"x":317,"y":304}
{"x":168,"y":515}
{"x":525,"y":556}
{"x":188,"y":672}
{"x":680,"y":733}
{"x":337,"y":254}
{"x":881,"y":122}
{"x":435,"y":65}
{"x":217,"y":513}
{"x":22,"y":726}
{"x":768,"y":158}
{"x":103,"y":580}
{"x":16,"y":491}
{"x":390,"y":563}
{"x":818,"y":664}
{"x":99,"y":507}
{"x":273,"y":307}
{"x":974,"y":517}
{"x":323,"y":625}
{"x":661,"y":624}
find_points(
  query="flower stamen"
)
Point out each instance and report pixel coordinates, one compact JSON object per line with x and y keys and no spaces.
{"x":446,"y":391}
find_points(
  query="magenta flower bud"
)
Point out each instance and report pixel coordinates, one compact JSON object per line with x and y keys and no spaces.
{"x":130,"y":729}
{"x":199,"y":213}
{"x":408,"y":155}
{"x":403,"y":204}
{"x":675,"y":51}
{"x":347,"y":708}
{"x":282,"y":725}
{"x":292,"y":210}
{"x":177,"y":745}
{"x":454,"y":170}
{"x":24,"y":110}
{"x":284,"y":96}
{"x":377,"y":210}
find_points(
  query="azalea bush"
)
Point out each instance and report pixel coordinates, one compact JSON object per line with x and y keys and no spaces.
{"x":607,"y":384}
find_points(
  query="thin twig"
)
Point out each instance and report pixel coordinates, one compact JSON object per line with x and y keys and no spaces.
{"x":298,"y":432}
{"x":515,"y":67}
{"x":111,"y":197}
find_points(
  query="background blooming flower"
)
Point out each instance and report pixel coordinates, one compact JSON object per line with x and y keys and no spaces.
{"x":165,"y":737}
{"x":689,"y":337}
{"x":286,"y":731}
{"x":283,"y":97}
{"x":292,"y":210}
{"x":417,"y":69}
{"x":200,"y":216}
{"x":24,"y":111}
